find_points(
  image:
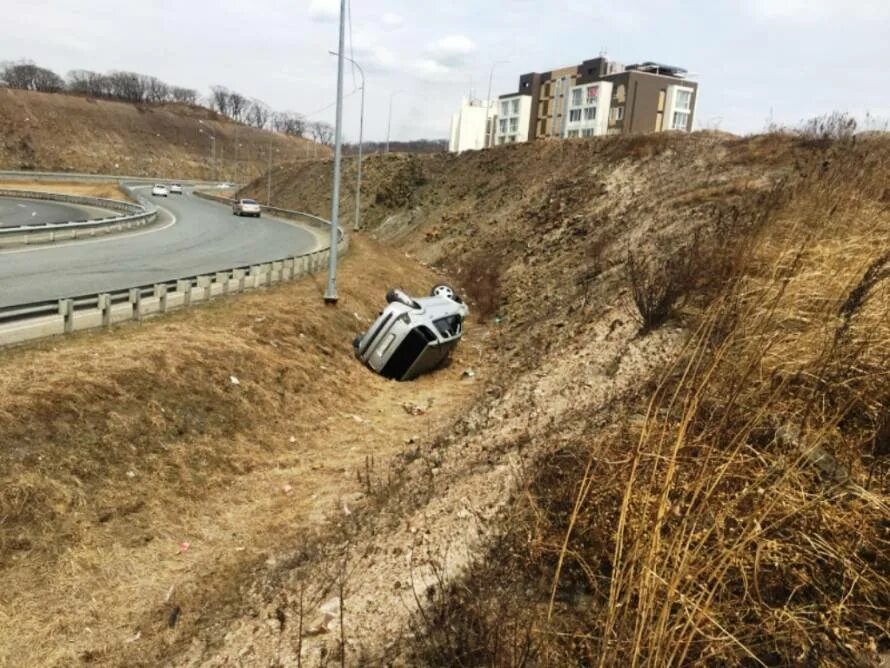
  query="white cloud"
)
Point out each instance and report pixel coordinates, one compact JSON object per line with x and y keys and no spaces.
{"x":392,"y":21}
{"x":368,"y":50}
{"x":821,"y":9}
{"x":452,"y":50}
{"x":324,"y":11}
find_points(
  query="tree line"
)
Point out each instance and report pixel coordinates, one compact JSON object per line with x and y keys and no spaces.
{"x":144,"y":89}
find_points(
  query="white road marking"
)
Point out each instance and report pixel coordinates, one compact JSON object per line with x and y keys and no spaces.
{"x":23,"y":206}
{"x":109,"y":237}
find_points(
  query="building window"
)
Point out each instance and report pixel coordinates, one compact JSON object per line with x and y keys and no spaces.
{"x":587,"y":132}
{"x":574,"y":115}
{"x":505,"y":108}
{"x":514,"y":106}
{"x":683,"y":100}
{"x":576,"y":97}
{"x":511,"y":139}
{"x":619,"y":113}
{"x":589,"y":113}
{"x":682,"y":109}
{"x":502,"y":125}
{"x":514,"y":124}
{"x":680,"y":120}
{"x":573,"y":133}
{"x":592,"y":92}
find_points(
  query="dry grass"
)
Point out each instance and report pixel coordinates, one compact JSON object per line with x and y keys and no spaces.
{"x":737,"y":515}
{"x":117,"y":447}
{"x":106,"y":190}
{"x":69,"y":133}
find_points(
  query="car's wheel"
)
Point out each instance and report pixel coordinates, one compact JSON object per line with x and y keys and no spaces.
{"x":396,"y":295}
{"x":444,"y":290}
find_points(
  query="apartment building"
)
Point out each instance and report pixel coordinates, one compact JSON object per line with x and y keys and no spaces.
{"x":512,"y":120}
{"x":471,"y":125}
{"x":598,"y":97}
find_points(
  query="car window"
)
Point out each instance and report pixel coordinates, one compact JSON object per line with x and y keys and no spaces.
{"x":248,"y":201}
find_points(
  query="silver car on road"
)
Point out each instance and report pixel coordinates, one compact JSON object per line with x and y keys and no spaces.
{"x":412,"y":336}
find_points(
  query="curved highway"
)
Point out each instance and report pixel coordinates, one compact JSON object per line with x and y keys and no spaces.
{"x":18,"y":211}
{"x":192,"y":236}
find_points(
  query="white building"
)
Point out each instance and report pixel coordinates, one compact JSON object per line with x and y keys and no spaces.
{"x":469,"y":125}
{"x":587,"y":110}
{"x":679,"y":108}
{"x":514,"y":114}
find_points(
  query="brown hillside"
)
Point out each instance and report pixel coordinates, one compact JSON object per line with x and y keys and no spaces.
{"x":672,"y":448}
{"x":56,"y":132}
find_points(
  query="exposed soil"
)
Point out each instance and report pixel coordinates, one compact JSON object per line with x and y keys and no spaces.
{"x":69,"y":133}
{"x":158,"y":513}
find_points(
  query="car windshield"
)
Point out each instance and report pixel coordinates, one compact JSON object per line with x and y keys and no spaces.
{"x":248,"y":201}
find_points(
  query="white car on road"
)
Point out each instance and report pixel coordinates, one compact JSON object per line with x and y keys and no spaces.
{"x":160,"y":190}
{"x":246,"y":207}
{"x":175,"y":189}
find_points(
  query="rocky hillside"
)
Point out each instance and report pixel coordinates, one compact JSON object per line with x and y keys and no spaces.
{"x":56,"y":132}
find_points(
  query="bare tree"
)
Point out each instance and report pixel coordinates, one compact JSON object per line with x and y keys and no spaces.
{"x":127,"y":86}
{"x":155,"y":90}
{"x":219,"y":99}
{"x":184,"y":95}
{"x":28,"y":76}
{"x":289,"y":123}
{"x":90,"y":83}
{"x":323,"y":133}
{"x":238,"y":106}
{"x":258,"y":114}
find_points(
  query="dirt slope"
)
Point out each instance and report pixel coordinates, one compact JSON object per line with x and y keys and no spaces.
{"x":705,"y":486}
{"x":55,"y":132}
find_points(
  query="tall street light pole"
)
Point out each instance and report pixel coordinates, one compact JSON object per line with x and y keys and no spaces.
{"x":489,"y":124}
{"x":269,"y":176}
{"x":361,"y":128}
{"x":389,"y":117}
{"x":330,"y":295}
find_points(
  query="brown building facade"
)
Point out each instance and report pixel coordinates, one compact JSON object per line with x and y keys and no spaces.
{"x":599,"y":96}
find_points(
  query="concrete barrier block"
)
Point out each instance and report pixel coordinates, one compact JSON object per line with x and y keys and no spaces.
{"x":120,"y":313}
{"x":175,"y":300}
{"x":33,"y":328}
{"x":222,"y":278}
{"x":87,"y":319}
{"x":185,"y":289}
{"x":198,"y":294}
{"x":287,"y":269}
{"x":149,"y":306}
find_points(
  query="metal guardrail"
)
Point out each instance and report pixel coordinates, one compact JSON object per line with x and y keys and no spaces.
{"x":36,"y":320}
{"x":135,"y":215}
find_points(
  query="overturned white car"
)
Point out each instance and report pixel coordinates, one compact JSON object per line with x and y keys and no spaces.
{"x":412,"y":336}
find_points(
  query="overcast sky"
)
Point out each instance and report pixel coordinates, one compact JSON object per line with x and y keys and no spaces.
{"x":791,"y":58}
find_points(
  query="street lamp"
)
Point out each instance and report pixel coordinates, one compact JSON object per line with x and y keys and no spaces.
{"x":389,"y":117}
{"x":330,"y":295}
{"x":212,"y":149}
{"x":489,"y":124}
{"x":361,"y":127}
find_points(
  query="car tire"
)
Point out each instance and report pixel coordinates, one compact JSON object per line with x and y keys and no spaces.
{"x":445,"y":290}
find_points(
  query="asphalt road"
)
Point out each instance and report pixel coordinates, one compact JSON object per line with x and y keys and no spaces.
{"x":192,"y":236}
{"x":15,"y":212}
